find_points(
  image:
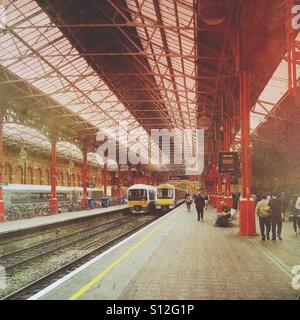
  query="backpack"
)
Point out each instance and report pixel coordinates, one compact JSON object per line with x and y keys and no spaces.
{"x":264,"y":211}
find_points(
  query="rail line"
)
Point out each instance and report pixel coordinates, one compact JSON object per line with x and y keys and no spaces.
{"x":88,"y":242}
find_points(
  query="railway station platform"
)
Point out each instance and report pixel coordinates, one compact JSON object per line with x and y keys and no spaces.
{"x":37,"y":222}
{"x":177,"y":257}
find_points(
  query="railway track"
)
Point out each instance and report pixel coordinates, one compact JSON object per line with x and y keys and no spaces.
{"x":85,"y":245}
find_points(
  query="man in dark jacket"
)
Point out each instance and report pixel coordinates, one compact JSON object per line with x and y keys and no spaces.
{"x":276,"y":217}
{"x":200,"y":204}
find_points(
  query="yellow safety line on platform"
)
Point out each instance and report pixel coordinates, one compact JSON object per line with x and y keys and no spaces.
{"x":103,"y":273}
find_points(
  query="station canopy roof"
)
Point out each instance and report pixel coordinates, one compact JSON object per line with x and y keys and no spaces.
{"x":33,"y":49}
{"x":133,"y":66}
{"x":30,"y":138}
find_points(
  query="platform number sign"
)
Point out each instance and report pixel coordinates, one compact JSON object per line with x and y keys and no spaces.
{"x":228,"y":162}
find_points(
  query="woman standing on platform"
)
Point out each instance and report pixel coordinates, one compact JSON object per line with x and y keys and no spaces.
{"x":206,"y":198}
{"x":295,"y":213}
{"x":188,"y":201}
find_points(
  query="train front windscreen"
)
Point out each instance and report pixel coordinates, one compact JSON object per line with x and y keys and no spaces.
{"x":137,"y":194}
{"x":165,"y":193}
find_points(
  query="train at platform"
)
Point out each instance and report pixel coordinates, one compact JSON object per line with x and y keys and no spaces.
{"x":20,"y":194}
{"x":146,"y":198}
{"x":168,"y":197}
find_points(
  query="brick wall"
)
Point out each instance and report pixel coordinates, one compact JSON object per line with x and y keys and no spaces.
{"x":38,"y":168}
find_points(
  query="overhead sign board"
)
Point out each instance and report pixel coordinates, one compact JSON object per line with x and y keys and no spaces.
{"x":228,"y":162}
{"x":173,"y":178}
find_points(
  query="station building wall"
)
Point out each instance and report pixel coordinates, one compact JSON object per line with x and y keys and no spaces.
{"x":36,"y":170}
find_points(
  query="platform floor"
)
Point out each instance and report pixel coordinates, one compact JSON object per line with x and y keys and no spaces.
{"x":178,"y":257}
{"x":24,"y":224}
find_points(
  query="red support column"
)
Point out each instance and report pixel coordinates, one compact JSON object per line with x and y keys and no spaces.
{"x":53,"y":201}
{"x":227,"y":132}
{"x":105,"y":179}
{"x":293,"y":54}
{"x":219,"y":193}
{"x":219,"y":198}
{"x":213,"y":195}
{"x":247,"y":205}
{"x":84,"y":175}
{"x":2,"y":208}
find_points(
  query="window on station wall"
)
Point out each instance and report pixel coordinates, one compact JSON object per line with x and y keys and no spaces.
{"x":73,"y":180}
{"x":78,"y":180}
{"x":47,"y":177}
{"x":8,"y":173}
{"x":62,"y":179}
{"x":19,"y":175}
{"x":39,"y":176}
{"x":29,"y":176}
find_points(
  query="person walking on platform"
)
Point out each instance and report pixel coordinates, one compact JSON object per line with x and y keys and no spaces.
{"x":200,"y":204}
{"x":285,"y":204}
{"x":295,"y":213}
{"x":206,"y":198}
{"x":276,"y":217}
{"x":262,"y":210}
{"x":188,"y":201}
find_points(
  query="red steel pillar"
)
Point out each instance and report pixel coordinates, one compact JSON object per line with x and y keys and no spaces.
{"x":247,"y":204}
{"x":219,"y":197}
{"x":84,"y":177}
{"x":227,"y":135}
{"x":213,"y":196}
{"x":2,"y":208}
{"x":293,"y":54}
{"x":53,"y":201}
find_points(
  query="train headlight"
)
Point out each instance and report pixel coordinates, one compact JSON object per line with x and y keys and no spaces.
{"x":172,"y":205}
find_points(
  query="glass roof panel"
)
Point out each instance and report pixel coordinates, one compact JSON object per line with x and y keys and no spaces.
{"x":275,"y":89}
{"x":179,"y":43}
{"x":46,"y":59}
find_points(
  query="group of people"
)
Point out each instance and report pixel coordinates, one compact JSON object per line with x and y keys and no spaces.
{"x":272,"y":210}
{"x":201,"y":200}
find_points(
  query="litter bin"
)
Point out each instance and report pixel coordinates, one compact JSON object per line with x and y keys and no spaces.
{"x":105,"y":202}
{"x":91,"y":203}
